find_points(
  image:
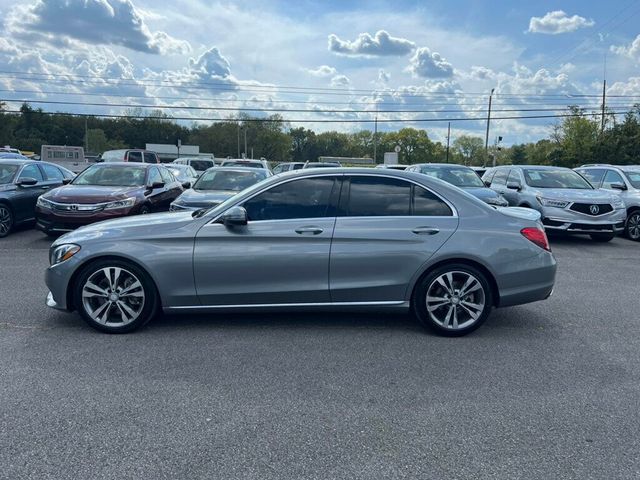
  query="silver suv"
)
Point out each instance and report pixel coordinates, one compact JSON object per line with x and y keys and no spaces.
{"x":623,"y":181}
{"x":566,"y":201}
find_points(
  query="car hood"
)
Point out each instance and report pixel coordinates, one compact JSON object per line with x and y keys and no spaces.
{"x":137,"y":226}
{"x":576,"y":195}
{"x":483,"y":193}
{"x":90,"y":193}
{"x":203,"y":198}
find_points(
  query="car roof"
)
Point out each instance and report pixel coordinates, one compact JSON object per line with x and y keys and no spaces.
{"x":237,"y":169}
{"x":126,"y":164}
{"x":457,"y":165}
{"x":535,"y":167}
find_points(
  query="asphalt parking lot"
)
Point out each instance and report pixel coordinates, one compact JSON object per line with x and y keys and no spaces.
{"x":547,"y":390}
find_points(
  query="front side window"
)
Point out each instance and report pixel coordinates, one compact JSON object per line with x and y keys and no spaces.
{"x":7,"y":172}
{"x":634,"y":178}
{"x":593,"y":175}
{"x":610,"y":178}
{"x":154,"y":176}
{"x":31,"y":171}
{"x":167,"y":178}
{"x":514,"y":177}
{"x":543,"y":178}
{"x":500,"y":178}
{"x":304,"y":198}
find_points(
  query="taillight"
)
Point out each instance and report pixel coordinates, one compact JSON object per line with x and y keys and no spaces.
{"x":537,"y":236}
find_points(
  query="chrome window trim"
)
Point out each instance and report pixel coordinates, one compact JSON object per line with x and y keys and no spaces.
{"x":454,"y":210}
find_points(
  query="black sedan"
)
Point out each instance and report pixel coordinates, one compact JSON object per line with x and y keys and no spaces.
{"x":22,"y":181}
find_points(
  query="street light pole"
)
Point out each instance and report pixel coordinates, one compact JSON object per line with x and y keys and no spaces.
{"x":238,"y":140}
{"x":486,"y":138}
{"x":245,"y":143}
{"x":375,"y":141}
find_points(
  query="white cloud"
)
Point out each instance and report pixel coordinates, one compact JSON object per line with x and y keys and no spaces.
{"x":632,"y":50}
{"x":322,"y":71}
{"x":381,"y":44}
{"x":556,"y":22}
{"x":340,"y":81}
{"x":99,"y":22}
{"x":481,"y":73}
{"x":211,"y":64}
{"x":383,"y":77}
{"x":428,"y":64}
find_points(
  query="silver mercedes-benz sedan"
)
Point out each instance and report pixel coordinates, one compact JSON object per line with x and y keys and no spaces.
{"x":310,"y":239}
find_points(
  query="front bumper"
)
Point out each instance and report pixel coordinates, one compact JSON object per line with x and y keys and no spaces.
{"x":565,"y":220}
{"x":49,"y":221}
{"x":51,"y":302}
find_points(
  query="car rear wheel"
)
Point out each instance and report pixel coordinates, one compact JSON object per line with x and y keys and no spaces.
{"x":115,"y":296}
{"x":453,"y":300}
{"x":602,"y":237}
{"x":6,"y":220}
{"x":633,"y":226}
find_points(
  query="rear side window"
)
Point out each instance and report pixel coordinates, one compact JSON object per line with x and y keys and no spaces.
{"x":378,"y":197}
{"x":135,"y":157}
{"x":594,"y":175}
{"x":31,"y":171}
{"x":304,"y":198}
{"x":384,"y":197}
{"x":500,"y":177}
{"x":52,"y":173}
{"x":514,"y":176}
{"x":150,"y":158}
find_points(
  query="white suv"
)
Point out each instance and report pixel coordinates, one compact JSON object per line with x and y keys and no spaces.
{"x":624,"y":181}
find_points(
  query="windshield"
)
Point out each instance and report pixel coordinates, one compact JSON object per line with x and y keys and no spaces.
{"x":555,"y":179}
{"x":7,"y":172}
{"x":202,"y":165}
{"x":460,"y":177}
{"x":233,"y":181}
{"x":112,"y":176}
{"x":634,"y":178}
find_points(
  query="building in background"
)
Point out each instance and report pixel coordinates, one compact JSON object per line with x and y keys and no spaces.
{"x":168,"y":152}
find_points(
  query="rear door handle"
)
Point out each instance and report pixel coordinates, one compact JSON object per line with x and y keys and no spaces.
{"x":425,"y":230}
{"x":309,"y":230}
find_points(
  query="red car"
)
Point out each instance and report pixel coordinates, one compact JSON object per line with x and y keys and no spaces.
{"x":104,"y":191}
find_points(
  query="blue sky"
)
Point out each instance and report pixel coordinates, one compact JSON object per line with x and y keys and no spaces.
{"x":423,"y":60}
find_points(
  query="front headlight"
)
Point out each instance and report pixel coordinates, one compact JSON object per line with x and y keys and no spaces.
{"x":43,"y":203}
{"x":127,"y":202}
{"x":63,"y":252}
{"x":550,"y":202}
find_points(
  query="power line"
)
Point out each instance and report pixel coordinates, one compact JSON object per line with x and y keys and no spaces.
{"x":280,"y":110}
{"x":367,"y":120}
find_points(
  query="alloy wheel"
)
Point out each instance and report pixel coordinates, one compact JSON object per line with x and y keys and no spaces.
{"x":633,"y":226}
{"x":113,"y":296}
{"x":6,"y":220}
{"x":455,"y":300}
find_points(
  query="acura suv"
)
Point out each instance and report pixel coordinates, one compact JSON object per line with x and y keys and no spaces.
{"x":566,"y":201}
{"x":623,"y":181}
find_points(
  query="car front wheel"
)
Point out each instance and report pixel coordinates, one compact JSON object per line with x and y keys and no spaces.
{"x":453,"y":300}
{"x":633,"y":226}
{"x":115,"y":296}
{"x":6,"y":220}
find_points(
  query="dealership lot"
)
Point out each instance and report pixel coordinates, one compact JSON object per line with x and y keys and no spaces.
{"x":546,"y":390}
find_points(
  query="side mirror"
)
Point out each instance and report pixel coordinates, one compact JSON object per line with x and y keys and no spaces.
{"x":234,"y":216}
{"x":513,"y":185}
{"x":26,"y":182}
{"x":155,"y":185}
{"x":186,"y":185}
{"x":66,"y":181}
{"x":618,"y":186}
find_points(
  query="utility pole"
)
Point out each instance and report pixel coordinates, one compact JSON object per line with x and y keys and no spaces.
{"x":486,"y":138}
{"x":86,"y":136}
{"x":375,"y":141}
{"x":244,"y":155}
{"x":448,"y":138}
{"x":604,"y":93}
{"x":238,"y":140}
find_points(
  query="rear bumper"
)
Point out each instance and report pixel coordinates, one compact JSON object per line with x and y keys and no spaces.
{"x":532,"y":281}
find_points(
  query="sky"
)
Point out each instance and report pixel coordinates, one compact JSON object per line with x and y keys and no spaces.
{"x":325,"y":65}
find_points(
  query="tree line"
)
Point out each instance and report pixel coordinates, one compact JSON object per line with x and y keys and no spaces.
{"x":575,"y":140}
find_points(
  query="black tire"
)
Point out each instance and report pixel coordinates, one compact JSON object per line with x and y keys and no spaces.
{"x":602,"y":237}
{"x":6,"y":220}
{"x":144,"y":210}
{"x":632,"y":227}
{"x":483,"y":295}
{"x":147,"y":310}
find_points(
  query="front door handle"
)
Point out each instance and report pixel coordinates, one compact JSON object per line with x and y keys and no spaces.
{"x":309,"y":230}
{"x":425,"y":230}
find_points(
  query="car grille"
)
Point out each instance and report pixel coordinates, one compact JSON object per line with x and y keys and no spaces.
{"x":552,"y":223}
{"x":587,"y":226}
{"x":75,"y":208}
{"x":586,"y":208}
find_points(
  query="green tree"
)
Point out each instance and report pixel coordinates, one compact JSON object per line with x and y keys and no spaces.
{"x":470,"y":149}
